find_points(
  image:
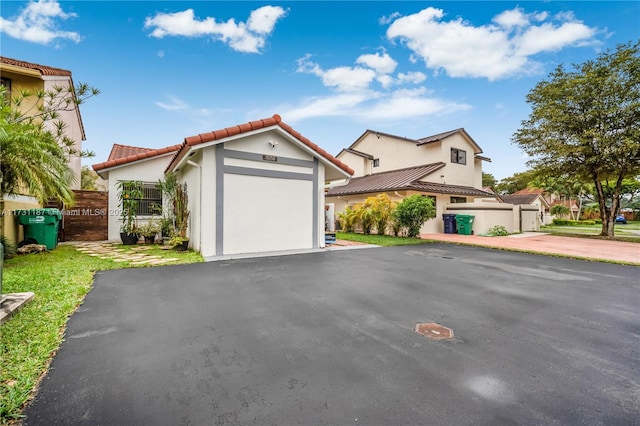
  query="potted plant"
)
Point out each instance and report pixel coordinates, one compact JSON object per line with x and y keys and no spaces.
{"x":129,"y":193}
{"x":181,"y":217}
{"x":149,"y":230}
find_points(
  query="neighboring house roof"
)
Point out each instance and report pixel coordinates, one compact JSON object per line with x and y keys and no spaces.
{"x":423,"y":141}
{"x":519,"y":199}
{"x":43,"y":69}
{"x":526,"y":191}
{"x":403,"y":179}
{"x":251,"y":126}
{"x":358,"y":153}
{"x":141,"y":155}
{"x":49,"y":71}
{"x":123,"y":151}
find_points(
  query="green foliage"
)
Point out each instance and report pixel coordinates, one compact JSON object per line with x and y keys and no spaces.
{"x":515,"y":183}
{"x":181,"y":209}
{"x":488,"y":180}
{"x":383,"y":207}
{"x":413,"y":212}
{"x":366,"y":214}
{"x":380,"y":240}
{"x":498,"y":231}
{"x":129,"y":193}
{"x":569,"y":222}
{"x":585,"y":123}
{"x":150,"y":228}
{"x":348,"y":219}
{"x":559,"y":210}
{"x":88,"y":179}
{"x":8,"y":247}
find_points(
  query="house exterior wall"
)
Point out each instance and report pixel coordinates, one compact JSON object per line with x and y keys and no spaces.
{"x":73,"y":130}
{"x":515,"y":218}
{"x":12,"y":205}
{"x":459,"y":174}
{"x":151,"y":170}
{"x":361,"y":166}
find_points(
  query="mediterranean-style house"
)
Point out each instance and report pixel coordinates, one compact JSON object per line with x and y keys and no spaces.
{"x":446,"y":167}
{"x":17,"y":75}
{"x":253,"y":188}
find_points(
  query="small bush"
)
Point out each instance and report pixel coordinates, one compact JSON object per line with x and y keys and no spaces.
{"x":413,"y":212}
{"x":560,"y":222}
{"x":498,"y":231}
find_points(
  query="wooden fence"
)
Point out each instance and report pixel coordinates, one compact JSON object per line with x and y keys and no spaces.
{"x":87,"y":220}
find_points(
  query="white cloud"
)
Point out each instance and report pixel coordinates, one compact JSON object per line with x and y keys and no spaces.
{"x":368,"y":91}
{"x":38,"y":23}
{"x":174,"y":104}
{"x":382,"y":64}
{"x":249,"y":37}
{"x":411,"y":77}
{"x":492,"y":51}
{"x":386,"y":20}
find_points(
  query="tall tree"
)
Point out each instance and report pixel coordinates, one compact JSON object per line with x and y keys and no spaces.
{"x":515,"y":183}
{"x":585,"y":123}
{"x":488,"y":180}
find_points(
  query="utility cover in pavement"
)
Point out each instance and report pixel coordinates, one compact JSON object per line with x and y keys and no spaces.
{"x":434,"y":331}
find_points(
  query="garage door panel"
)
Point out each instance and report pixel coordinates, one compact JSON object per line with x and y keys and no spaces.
{"x":266,"y":214}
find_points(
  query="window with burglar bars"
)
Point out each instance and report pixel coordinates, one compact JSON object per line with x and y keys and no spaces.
{"x":151,"y":201}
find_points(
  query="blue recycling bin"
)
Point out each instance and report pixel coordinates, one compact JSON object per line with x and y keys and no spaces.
{"x":450,"y":226}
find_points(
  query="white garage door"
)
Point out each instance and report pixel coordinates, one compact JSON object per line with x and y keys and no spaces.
{"x":266,"y":214}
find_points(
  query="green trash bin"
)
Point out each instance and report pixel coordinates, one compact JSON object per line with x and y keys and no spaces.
{"x":41,"y":225}
{"x":465,"y":224}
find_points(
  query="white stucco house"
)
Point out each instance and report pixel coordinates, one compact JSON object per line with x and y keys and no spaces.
{"x":255,"y":187}
{"x":446,"y":167}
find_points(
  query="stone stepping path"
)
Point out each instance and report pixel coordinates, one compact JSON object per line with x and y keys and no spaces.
{"x":134,"y":256}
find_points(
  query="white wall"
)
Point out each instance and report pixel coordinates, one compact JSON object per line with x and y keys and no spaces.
{"x":151,"y":170}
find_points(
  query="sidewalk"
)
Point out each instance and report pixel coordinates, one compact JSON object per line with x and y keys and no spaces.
{"x":536,"y":242}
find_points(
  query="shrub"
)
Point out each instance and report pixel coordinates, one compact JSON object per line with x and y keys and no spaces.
{"x":560,"y":222}
{"x":347,"y":219}
{"x":414,"y":211}
{"x":498,"y":231}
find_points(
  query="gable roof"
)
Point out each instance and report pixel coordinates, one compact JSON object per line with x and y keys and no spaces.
{"x":273,"y":121}
{"x":123,"y":151}
{"x":136,"y":154}
{"x":423,"y":141}
{"x":43,"y":69}
{"x":519,"y":199}
{"x":358,"y":153}
{"x":403,"y":179}
{"x":46,"y":71}
{"x":527,"y":190}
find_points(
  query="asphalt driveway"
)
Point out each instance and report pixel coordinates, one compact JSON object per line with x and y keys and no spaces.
{"x":329,"y":338}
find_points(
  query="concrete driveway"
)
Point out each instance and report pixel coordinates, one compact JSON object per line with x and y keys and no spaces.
{"x":329,"y":338}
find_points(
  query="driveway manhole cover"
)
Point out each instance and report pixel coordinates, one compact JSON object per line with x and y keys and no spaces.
{"x":434,"y":331}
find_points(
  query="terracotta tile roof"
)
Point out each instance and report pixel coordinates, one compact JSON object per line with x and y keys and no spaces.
{"x":250,"y":126}
{"x":123,"y":151}
{"x":43,"y":69}
{"x":527,"y":191}
{"x":141,"y":155}
{"x":385,"y":181}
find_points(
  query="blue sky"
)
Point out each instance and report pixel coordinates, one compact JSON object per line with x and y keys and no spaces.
{"x":168,"y":70}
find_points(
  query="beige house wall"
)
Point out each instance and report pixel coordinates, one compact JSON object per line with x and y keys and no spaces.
{"x":12,"y":205}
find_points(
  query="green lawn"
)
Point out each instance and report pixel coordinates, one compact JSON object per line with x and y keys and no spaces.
{"x":380,"y":240}
{"x":628,"y":232}
{"x":60,"y":279}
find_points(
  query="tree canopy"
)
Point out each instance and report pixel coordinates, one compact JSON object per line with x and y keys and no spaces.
{"x":585,"y":124}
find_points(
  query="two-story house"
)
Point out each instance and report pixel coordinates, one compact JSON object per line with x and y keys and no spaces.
{"x":17,"y":76}
{"x":446,"y":167}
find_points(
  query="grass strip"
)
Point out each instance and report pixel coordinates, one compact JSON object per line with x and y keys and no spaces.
{"x":380,"y":240}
